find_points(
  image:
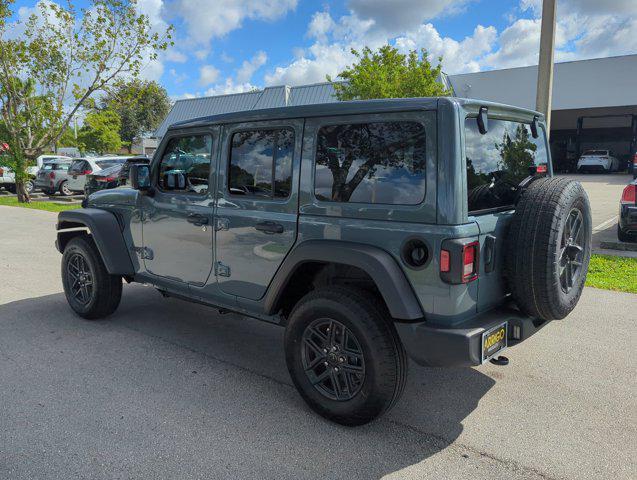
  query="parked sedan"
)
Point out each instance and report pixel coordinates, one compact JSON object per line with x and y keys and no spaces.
{"x":82,"y":167}
{"x":112,"y":177}
{"x":627,"y":226}
{"x":53,"y":176}
{"x":601,"y":161}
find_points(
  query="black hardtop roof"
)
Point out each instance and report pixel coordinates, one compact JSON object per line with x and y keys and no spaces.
{"x":333,"y":109}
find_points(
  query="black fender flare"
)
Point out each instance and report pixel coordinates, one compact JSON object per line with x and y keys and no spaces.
{"x":383,"y":269}
{"x":106,"y":232}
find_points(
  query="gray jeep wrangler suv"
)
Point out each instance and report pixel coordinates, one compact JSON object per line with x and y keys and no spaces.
{"x":372,"y":231}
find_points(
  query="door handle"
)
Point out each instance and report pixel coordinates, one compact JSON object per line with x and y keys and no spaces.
{"x":198,"y":220}
{"x":269,"y":227}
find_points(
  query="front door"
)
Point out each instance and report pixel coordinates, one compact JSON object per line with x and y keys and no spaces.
{"x":256,"y":215}
{"x":178,"y":215}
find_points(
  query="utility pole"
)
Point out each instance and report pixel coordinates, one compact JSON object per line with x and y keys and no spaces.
{"x":545,"y":66}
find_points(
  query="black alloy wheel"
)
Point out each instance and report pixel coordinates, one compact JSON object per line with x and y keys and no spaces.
{"x":81,"y":278}
{"x":333,"y":359}
{"x":571,"y":250}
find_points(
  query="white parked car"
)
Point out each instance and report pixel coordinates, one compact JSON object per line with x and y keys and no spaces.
{"x":81,"y":167}
{"x":601,"y":161}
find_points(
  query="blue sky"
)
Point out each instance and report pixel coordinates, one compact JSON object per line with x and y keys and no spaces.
{"x":226,"y":46}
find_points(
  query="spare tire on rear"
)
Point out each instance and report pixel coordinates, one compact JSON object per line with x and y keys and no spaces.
{"x":549,"y":248}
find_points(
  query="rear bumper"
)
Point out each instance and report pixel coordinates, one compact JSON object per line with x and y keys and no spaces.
{"x":460,"y":346}
{"x":593,"y":168}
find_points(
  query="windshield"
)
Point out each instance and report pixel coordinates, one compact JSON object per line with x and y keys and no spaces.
{"x":110,"y":171}
{"x":499,"y":160}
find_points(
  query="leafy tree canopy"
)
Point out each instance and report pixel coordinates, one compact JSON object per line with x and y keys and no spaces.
{"x":387,"y":73}
{"x":100,"y":132}
{"x":141,"y":106}
{"x":57,"y":60}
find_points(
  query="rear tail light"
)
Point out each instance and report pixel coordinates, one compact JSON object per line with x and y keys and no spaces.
{"x":459,"y":260}
{"x":108,"y":179}
{"x":86,"y":172}
{"x":470,"y":262}
{"x":629,"y":194}
{"x":541,"y":169}
{"x":1,"y":172}
{"x":52,"y":175}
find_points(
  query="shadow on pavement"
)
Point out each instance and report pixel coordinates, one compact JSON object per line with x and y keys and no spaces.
{"x":176,"y":390}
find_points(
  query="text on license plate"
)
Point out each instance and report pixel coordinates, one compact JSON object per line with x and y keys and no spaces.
{"x":494,"y":340}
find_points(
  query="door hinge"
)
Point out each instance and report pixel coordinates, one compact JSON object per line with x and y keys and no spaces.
{"x":222,"y":224}
{"x":222,"y":270}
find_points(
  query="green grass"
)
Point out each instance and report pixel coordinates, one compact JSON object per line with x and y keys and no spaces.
{"x":613,"y":273}
{"x":48,"y":206}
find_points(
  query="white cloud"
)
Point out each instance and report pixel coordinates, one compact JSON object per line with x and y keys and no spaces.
{"x":174,"y":55}
{"x":458,"y":56}
{"x":398,"y":16}
{"x":229,"y":86}
{"x":248,"y":67}
{"x":208,"y":75}
{"x":207,"y":19}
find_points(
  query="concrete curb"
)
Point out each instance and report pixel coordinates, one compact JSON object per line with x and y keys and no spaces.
{"x":620,"y":246}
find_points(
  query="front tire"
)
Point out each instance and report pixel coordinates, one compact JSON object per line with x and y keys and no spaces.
{"x":344,"y":355}
{"x":90,"y":290}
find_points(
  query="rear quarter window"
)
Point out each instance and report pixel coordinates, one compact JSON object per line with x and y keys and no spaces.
{"x":377,"y":163}
{"x":499,"y":160}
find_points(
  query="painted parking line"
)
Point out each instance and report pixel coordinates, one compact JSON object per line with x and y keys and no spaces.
{"x":605,"y":224}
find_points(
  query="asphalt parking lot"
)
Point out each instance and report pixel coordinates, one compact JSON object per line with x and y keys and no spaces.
{"x":604,"y":192}
{"x":165,"y":389}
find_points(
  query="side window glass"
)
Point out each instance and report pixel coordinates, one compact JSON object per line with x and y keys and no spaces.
{"x":185,"y":164}
{"x":261,"y":163}
{"x":381,"y":162}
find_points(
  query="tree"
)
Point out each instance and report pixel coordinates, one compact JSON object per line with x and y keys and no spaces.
{"x":141,"y":106}
{"x":100,"y":132}
{"x":62,"y":58}
{"x":386,"y":73}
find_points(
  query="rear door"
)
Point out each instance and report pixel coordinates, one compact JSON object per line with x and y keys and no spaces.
{"x":257,"y":204}
{"x":177,"y":217}
{"x":497,"y":162}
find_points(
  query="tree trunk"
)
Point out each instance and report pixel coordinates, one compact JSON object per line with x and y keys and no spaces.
{"x":23,"y":195}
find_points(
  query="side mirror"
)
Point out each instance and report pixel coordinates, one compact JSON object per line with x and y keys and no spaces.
{"x":483,"y":120}
{"x":535,"y":129}
{"x":140,"y":176}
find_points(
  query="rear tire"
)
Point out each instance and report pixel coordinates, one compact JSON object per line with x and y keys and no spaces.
{"x":625,"y":237}
{"x":355,"y":373}
{"x":549,"y":248}
{"x":90,"y":290}
{"x":64,"y":189}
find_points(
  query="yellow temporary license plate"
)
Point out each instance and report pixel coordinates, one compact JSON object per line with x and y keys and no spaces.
{"x":493,"y":341}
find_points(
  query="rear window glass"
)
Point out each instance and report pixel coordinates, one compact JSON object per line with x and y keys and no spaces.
{"x":595,"y":152}
{"x":110,"y":163}
{"x":79,"y":166}
{"x":381,"y":162}
{"x":56,"y":166}
{"x":499,"y":160}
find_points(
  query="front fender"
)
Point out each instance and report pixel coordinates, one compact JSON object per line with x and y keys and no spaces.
{"x":106,"y":232}
{"x":377,"y":263}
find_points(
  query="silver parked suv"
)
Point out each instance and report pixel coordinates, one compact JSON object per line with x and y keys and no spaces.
{"x":53,"y":177}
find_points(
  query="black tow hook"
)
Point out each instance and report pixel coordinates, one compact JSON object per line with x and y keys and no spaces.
{"x":501,"y":360}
